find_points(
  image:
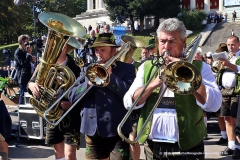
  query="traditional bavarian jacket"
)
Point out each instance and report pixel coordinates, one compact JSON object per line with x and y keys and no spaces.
{"x":102,"y":107}
{"x":187,"y":125}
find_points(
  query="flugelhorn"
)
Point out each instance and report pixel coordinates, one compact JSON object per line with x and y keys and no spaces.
{"x":54,"y":78}
{"x":180,"y":77}
{"x":96,"y":74}
{"x":217,"y":66}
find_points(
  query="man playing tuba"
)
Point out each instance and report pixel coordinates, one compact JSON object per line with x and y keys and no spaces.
{"x":65,"y":137}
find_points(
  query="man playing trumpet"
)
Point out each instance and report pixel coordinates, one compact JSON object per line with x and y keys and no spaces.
{"x":177,"y":127}
{"x":102,"y":107}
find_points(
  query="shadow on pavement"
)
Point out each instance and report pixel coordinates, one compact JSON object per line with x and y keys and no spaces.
{"x":29,"y":152}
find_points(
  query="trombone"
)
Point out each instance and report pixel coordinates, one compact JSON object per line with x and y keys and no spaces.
{"x":180,"y":77}
{"x":96,"y":74}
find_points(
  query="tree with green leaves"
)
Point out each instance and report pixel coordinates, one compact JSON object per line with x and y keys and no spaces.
{"x":138,"y":9}
{"x":164,"y":9}
{"x":16,"y":20}
{"x":13,"y":20}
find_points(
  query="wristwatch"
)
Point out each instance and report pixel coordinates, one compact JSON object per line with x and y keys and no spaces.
{"x":1,"y":138}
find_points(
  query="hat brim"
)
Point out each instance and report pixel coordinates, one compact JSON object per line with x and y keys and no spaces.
{"x":103,"y":45}
{"x":150,"y":46}
{"x":220,"y":50}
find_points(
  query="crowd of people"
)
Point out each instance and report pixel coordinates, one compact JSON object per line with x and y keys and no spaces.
{"x":220,"y":17}
{"x":178,"y":125}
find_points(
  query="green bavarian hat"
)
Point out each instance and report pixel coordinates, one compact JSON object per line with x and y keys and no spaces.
{"x":151,"y":43}
{"x":104,"y":39}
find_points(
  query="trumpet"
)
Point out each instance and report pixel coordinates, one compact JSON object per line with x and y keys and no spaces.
{"x":96,"y":74}
{"x":180,"y":77}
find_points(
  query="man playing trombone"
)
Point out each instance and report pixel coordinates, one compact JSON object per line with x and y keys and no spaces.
{"x":176,"y":129}
{"x":102,"y":107}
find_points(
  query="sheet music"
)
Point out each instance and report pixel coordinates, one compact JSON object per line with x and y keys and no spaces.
{"x":217,"y":56}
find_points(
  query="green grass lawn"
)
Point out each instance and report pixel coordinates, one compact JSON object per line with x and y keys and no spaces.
{"x":142,"y":36}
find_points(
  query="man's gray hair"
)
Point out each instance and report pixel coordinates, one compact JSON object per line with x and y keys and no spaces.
{"x":170,"y":25}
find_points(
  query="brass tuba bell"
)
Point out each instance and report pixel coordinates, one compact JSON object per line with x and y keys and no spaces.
{"x":135,"y":43}
{"x":53,"y":78}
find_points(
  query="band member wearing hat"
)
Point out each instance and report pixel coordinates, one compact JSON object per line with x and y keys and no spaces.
{"x":177,"y":124}
{"x":102,"y":107}
{"x":65,"y":137}
{"x":151,"y":46}
{"x":144,"y":54}
{"x":228,"y":80}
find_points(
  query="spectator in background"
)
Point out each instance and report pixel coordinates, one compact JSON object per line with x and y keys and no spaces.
{"x":23,"y":58}
{"x":4,"y":51}
{"x":8,"y":61}
{"x":106,"y":28}
{"x":232,"y":33}
{"x":90,"y":52}
{"x":78,"y":51}
{"x":9,"y":53}
{"x":8,"y":71}
{"x":234,"y":15}
{"x":39,"y":49}
{"x":85,"y":29}
{"x":225,"y":16}
{"x":44,"y":39}
{"x":89,"y":28}
{"x":97,"y":30}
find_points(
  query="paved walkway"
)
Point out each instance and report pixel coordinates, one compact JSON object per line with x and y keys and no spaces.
{"x":219,"y":34}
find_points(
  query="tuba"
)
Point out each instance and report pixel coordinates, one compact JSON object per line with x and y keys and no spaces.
{"x":55,"y":79}
{"x":135,"y":43}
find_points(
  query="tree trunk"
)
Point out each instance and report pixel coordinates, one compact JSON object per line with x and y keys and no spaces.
{"x":141,"y":23}
{"x":132,"y":25}
{"x":156,"y":22}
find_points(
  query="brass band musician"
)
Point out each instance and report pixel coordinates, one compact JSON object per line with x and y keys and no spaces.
{"x":65,"y":137}
{"x":177,"y":125}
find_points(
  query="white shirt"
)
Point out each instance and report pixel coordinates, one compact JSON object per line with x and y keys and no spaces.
{"x":228,"y":78}
{"x":164,"y":123}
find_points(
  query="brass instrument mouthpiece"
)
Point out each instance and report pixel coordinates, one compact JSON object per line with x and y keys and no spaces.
{"x":166,"y":53}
